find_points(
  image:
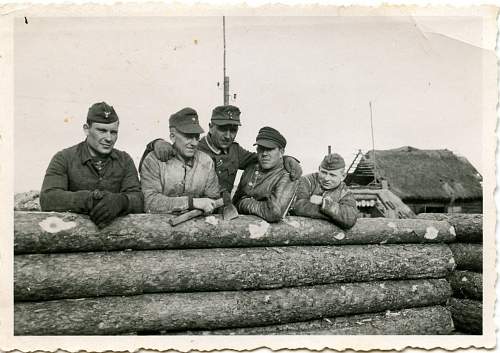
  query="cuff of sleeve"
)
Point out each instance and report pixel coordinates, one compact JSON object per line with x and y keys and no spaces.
{"x":126,"y":204}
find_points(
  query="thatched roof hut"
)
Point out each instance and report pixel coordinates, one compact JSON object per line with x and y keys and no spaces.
{"x":427,"y":175}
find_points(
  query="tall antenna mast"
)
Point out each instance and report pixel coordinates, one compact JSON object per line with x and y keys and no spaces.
{"x":373,"y":147}
{"x":226,"y":78}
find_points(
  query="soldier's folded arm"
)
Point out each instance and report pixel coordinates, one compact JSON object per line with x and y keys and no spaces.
{"x":55,"y":195}
{"x":302,"y":206}
{"x":154,"y":200}
{"x":274,"y":205}
{"x":344,"y":212}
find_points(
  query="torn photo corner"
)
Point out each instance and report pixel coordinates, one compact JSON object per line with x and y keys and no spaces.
{"x":388,"y":244}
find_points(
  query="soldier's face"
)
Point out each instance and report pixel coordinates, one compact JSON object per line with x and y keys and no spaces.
{"x":223,"y":136}
{"x":101,"y":137}
{"x":185,"y":144}
{"x":269,"y":157}
{"x":330,"y":179}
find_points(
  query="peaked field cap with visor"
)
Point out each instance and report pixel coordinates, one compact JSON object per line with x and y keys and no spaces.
{"x":226,"y":115}
{"x":270,"y":138}
{"x":186,"y":121}
{"x":333,"y":161}
{"x":101,"y":113}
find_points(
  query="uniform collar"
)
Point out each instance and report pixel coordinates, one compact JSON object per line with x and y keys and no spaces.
{"x":83,"y":150}
{"x":210,"y":145}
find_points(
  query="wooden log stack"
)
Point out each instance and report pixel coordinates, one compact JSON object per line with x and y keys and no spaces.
{"x":467,"y":280}
{"x":245,"y":276}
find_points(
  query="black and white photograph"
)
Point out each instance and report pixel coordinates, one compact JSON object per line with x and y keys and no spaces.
{"x":228,"y":178}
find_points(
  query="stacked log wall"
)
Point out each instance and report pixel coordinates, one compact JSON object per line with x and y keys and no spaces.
{"x":246,"y":276}
{"x":466,"y":280}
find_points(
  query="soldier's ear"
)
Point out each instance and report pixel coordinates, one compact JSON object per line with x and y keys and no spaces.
{"x":86,"y":129}
{"x":172,"y":135}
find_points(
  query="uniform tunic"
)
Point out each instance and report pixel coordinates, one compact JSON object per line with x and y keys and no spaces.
{"x":72,"y":176}
{"x":340,"y":207}
{"x":167,"y":186}
{"x":264,"y":193}
{"x":227,"y":162}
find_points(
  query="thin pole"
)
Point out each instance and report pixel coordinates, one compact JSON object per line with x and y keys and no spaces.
{"x":373,"y":145}
{"x":329,"y":149}
{"x":226,"y":79}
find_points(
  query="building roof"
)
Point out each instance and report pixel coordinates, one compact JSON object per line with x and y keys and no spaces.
{"x":421,"y":174}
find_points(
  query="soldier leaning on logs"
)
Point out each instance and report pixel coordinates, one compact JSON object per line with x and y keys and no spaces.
{"x":92,"y":177}
{"x":219,"y":144}
{"x":265,"y":188}
{"x":324,"y":194}
{"x":186,"y":181}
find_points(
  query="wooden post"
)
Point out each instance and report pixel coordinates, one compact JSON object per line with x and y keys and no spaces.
{"x":47,"y":232}
{"x":213,"y":310}
{"x":54,"y":276}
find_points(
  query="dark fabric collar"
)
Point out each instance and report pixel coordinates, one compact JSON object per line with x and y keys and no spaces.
{"x":84,"y":153}
{"x":210,"y":144}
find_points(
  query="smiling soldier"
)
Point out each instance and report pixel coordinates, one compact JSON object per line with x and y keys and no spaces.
{"x":265,"y":188}
{"x":92,"y":177}
{"x":221,"y":146}
{"x":325,"y":195}
{"x":186,"y":181}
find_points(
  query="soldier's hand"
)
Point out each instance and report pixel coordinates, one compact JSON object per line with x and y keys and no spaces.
{"x":163,"y":150}
{"x":292,"y":166}
{"x":108,"y":208}
{"x":205,"y":204}
{"x":316,"y":200}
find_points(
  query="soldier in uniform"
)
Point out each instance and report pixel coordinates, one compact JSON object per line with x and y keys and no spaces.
{"x":265,"y":188}
{"x":92,"y":177}
{"x":186,"y":181}
{"x":324,"y":194}
{"x":219,"y":144}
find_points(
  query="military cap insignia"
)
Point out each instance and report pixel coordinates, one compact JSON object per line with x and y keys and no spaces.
{"x":106,"y":114}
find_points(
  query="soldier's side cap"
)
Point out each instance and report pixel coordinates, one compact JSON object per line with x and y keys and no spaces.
{"x":186,"y":121}
{"x":226,"y":115}
{"x":270,"y":138}
{"x":101,"y":113}
{"x":333,"y":161}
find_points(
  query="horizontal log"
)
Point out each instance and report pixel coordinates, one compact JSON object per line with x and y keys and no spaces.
{"x":78,"y":275}
{"x":213,"y":310}
{"x":467,"y":315}
{"x":44,"y":232}
{"x":468,"y":227}
{"x":431,"y":320}
{"x":468,"y":256}
{"x":466,"y":284}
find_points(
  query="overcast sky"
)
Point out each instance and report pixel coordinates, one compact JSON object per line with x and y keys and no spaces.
{"x":309,"y":77}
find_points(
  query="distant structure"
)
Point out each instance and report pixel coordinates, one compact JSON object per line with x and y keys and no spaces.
{"x":425,"y":180}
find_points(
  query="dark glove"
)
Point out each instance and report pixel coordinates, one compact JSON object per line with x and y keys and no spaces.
{"x":108,"y":208}
{"x":292,"y":166}
{"x":163,"y":150}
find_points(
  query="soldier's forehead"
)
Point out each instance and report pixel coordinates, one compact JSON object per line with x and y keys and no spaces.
{"x":332,"y":171}
{"x":113,"y":125}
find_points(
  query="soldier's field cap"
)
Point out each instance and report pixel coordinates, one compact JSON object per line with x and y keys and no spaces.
{"x":333,"y":161}
{"x":270,"y":138}
{"x":226,"y":115}
{"x":102,"y":113}
{"x":186,"y":121}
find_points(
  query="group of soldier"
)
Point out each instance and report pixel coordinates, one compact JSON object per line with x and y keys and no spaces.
{"x":94,"y":178}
